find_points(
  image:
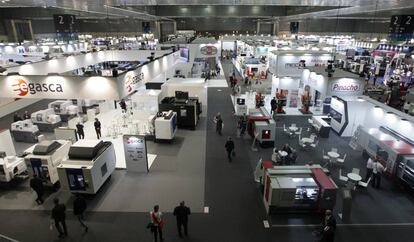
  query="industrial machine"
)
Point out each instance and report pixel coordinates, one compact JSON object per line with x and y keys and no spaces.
{"x":25,"y":131}
{"x":306,"y":188}
{"x":395,"y":152}
{"x":187,"y":108}
{"x":65,"y":109}
{"x":241,"y":107}
{"x":11,"y":167}
{"x":165,"y":125}
{"x":43,"y":159}
{"x":86,"y":104}
{"x":261,"y":125}
{"x":46,"y":120}
{"x":90,"y":164}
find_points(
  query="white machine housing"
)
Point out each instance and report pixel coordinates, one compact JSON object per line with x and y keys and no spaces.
{"x":166,"y":126}
{"x":89,"y":165}
{"x":24,"y":126}
{"x":46,"y":116}
{"x":64,"y":107}
{"x":44,"y":158}
{"x":11,"y":167}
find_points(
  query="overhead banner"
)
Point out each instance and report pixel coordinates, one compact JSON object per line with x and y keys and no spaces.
{"x":58,"y":87}
{"x":135,"y":147}
{"x":132,"y":80}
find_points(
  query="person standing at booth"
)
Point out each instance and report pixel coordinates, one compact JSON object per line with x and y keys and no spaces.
{"x":97,"y":125}
{"x":123,"y":105}
{"x":377,"y":170}
{"x":219,"y":123}
{"x":26,"y":115}
{"x":370,"y":165}
{"x":273,"y":105}
{"x":79,"y":130}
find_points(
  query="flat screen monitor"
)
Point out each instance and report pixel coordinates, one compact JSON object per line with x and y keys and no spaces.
{"x":185,"y":54}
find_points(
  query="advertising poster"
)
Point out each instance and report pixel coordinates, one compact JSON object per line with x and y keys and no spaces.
{"x":135,"y":147}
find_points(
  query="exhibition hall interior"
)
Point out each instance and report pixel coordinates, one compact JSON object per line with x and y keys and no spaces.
{"x":207,"y":121}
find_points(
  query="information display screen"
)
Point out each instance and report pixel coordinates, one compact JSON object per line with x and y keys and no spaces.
{"x":336,"y":115}
{"x":66,"y":23}
{"x":401,"y":27}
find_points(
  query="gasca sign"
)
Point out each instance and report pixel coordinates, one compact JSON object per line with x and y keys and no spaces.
{"x":23,"y":88}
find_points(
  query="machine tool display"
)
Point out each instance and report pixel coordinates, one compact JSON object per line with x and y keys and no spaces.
{"x":43,"y":159}
{"x":11,"y":167}
{"x":89,"y":165}
{"x":25,"y":131}
{"x":46,"y":120}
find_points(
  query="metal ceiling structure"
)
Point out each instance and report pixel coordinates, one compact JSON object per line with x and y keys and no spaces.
{"x":150,"y":10}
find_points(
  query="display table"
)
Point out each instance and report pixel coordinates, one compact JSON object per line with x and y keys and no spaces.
{"x":320,"y":123}
{"x":307,"y":140}
{"x":354,"y":177}
{"x":333,"y":155}
{"x":283,"y":153}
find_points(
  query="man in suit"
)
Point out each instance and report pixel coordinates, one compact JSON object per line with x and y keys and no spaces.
{"x":181,"y":213}
{"x":37,"y":185}
{"x":59,"y":217}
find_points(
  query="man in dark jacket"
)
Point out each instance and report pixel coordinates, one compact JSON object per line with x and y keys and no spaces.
{"x":181,"y":213}
{"x":79,"y":207}
{"x":328,"y":231}
{"x":59,"y":217}
{"x":122,"y":104}
{"x":97,"y":125}
{"x":229,"y":148}
{"x":37,"y":185}
{"x":79,"y":130}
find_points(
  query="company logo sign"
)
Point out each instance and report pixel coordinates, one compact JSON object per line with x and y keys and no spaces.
{"x":131,"y":79}
{"x":208,"y":50}
{"x":337,"y":87}
{"x":134,"y":141}
{"x":23,"y":87}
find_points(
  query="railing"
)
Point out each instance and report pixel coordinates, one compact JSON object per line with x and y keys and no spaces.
{"x":4,"y":238}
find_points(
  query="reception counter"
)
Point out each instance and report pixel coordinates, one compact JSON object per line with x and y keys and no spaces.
{"x":322,"y":125}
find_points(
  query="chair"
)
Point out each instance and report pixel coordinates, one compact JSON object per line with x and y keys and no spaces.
{"x":355,"y":171}
{"x":301,"y":144}
{"x":293,"y":125}
{"x":364,"y":184}
{"x":341,"y":177}
{"x":310,"y":121}
{"x":334,"y":150}
{"x":341,"y":161}
{"x":324,"y":156}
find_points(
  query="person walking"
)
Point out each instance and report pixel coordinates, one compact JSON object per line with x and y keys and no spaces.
{"x":219,"y":123}
{"x":157,"y":223}
{"x":37,"y":185}
{"x":79,"y":130}
{"x":370,"y":165}
{"x":97,"y":125}
{"x":377,"y":170}
{"x":79,"y":207}
{"x":59,"y":218}
{"x":229,"y":148}
{"x":181,"y":214}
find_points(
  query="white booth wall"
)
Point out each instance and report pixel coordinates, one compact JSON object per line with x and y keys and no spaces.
{"x":6,"y":143}
{"x":195,"y":87}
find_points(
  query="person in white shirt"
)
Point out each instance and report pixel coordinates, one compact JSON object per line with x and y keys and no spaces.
{"x":157,"y":223}
{"x":377,"y":170}
{"x":370,"y":164}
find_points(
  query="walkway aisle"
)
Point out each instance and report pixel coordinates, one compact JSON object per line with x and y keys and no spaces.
{"x":237,"y":211}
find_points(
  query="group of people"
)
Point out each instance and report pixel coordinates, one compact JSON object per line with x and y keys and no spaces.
{"x":81,"y":133}
{"x":59,"y":210}
{"x":157,"y":223}
{"x":17,"y":117}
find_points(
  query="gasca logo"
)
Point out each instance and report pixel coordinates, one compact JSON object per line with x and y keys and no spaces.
{"x":23,"y":88}
{"x":131,"y":79}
